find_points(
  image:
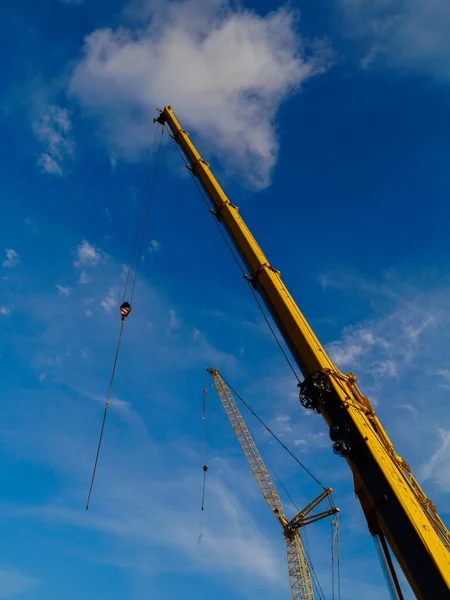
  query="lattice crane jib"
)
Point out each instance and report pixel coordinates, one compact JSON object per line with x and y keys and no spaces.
{"x":298,"y":567}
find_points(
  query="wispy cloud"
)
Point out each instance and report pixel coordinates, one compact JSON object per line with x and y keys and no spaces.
{"x":111,"y":300}
{"x":410,"y":35}
{"x":283,"y":424}
{"x":401,"y":356}
{"x":12,"y":258}
{"x":88,"y":255}
{"x":155,"y":246}
{"x":84,"y":278}
{"x":174,"y":322}
{"x":63,"y":290}
{"x":31,"y":224}
{"x":53,"y":130}
{"x":440,"y":455}
{"x":5,"y":311}
{"x":13,"y":582}
{"x":245,"y":66}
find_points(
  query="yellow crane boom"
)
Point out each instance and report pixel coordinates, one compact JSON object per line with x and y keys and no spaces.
{"x":396,"y":508}
{"x":299,"y":572}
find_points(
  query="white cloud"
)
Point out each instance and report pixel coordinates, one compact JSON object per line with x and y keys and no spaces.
{"x":440,"y":455}
{"x":47,"y":164}
{"x":13,"y":582}
{"x":174,"y":322}
{"x":89,"y":313}
{"x":62,"y":290}
{"x":111,"y":300}
{"x":53,"y":130}
{"x":407,"y":33}
{"x":283,"y":424}
{"x":84,"y":278}
{"x":404,"y":364}
{"x":88,"y":255}
{"x":300,"y":443}
{"x":5,"y":311}
{"x":226,"y":71}
{"x":155,"y":246}
{"x":12,"y":258}
{"x":388,"y":345}
{"x":32,"y":224}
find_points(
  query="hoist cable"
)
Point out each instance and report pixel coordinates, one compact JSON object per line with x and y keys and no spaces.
{"x":335,"y":558}
{"x":291,"y":366}
{"x":332,"y":563}
{"x":338,"y":556}
{"x":150,"y":198}
{"x":141,"y":207}
{"x":152,"y":163}
{"x":108,"y":401}
{"x":238,"y":262}
{"x":206,"y":415}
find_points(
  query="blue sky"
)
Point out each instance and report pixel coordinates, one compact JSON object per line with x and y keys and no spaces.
{"x":328,"y":125}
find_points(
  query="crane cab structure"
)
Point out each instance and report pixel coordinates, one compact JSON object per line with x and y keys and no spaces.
{"x":398,"y":512}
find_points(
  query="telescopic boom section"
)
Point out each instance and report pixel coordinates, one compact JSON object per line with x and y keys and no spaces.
{"x":394,"y":504}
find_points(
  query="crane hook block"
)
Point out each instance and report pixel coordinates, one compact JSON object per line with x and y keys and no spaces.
{"x":205,"y":468}
{"x":125,"y":310}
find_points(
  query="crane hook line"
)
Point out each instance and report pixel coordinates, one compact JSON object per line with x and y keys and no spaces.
{"x":148,"y":188}
{"x":151,"y":191}
{"x":141,"y":207}
{"x":107,"y":403}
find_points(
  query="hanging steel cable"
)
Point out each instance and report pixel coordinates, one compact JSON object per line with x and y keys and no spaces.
{"x":133,"y":264}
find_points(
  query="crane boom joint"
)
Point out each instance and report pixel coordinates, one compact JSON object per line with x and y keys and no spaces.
{"x":253,"y":278}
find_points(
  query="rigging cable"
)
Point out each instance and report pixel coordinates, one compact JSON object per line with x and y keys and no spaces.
{"x":125,"y":308}
{"x":248,"y":279}
{"x":139,"y":218}
{"x":297,"y":460}
{"x":315,"y":577}
{"x":206,"y":415}
{"x":238,"y":262}
{"x":272,"y":330}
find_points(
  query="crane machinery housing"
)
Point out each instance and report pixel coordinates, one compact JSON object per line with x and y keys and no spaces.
{"x":299,"y":572}
{"x":399,"y":514}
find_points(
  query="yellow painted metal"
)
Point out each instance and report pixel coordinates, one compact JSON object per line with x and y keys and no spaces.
{"x":299,"y":573}
{"x":431,"y":537}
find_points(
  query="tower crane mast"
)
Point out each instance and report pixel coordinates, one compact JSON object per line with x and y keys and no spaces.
{"x":299,"y":572}
{"x":398,"y":512}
